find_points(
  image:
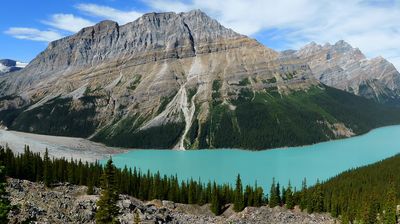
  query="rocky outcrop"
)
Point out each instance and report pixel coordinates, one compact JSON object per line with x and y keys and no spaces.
{"x":153,"y":73}
{"x":8,"y":65}
{"x":344,"y":67}
{"x":69,"y":204}
{"x":169,"y":80}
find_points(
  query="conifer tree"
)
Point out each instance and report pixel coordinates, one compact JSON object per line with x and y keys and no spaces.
{"x":289,"y":197}
{"x":4,"y":202}
{"x":303,"y":195}
{"x":389,"y":216}
{"x":108,"y":209}
{"x":90,"y":187}
{"x":238,"y":204}
{"x":274,"y":198}
{"x":47,"y":169}
{"x":318,"y":198}
{"x":216,"y":205}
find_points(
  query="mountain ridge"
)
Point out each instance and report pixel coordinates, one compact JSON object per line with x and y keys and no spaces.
{"x":170,"y":80}
{"x":347,"y":68}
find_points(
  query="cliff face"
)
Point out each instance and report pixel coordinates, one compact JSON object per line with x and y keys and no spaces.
{"x":8,"y":65}
{"x":344,"y":67}
{"x":170,"y":80}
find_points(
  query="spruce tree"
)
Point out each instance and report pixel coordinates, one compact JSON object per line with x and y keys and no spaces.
{"x":389,"y":215}
{"x":303,"y":195}
{"x":238,"y":204}
{"x":274,"y":198}
{"x":90,"y":187}
{"x":216,"y":205}
{"x":289,"y":197}
{"x":47,"y":169}
{"x":318,"y":198}
{"x":4,"y":202}
{"x":108,"y":209}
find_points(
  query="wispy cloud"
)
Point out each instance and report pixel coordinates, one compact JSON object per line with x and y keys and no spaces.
{"x":368,"y":24}
{"x":371,"y":25}
{"x":122,"y":17}
{"x":68,"y":22}
{"x":33,"y":34}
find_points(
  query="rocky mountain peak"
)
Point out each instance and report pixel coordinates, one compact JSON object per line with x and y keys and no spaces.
{"x":8,"y":65}
{"x":342,"y":66}
{"x":342,"y":44}
{"x":180,"y":35}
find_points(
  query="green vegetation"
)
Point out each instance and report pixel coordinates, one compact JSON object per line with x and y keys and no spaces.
{"x":164,"y":102}
{"x":108,"y":209}
{"x":244,"y":82}
{"x":134,"y":83}
{"x":359,"y":194}
{"x":289,"y":75}
{"x":367,"y":195}
{"x":238,"y":204}
{"x":125,"y":134}
{"x":191,"y":93}
{"x":144,"y":186}
{"x":274,"y":195}
{"x":4,"y":202}
{"x":215,"y":94}
{"x":57,"y":117}
{"x":269,"y":120}
{"x":271,"y":80}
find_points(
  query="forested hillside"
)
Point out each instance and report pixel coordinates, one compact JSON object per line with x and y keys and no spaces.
{"x":368,"y":194}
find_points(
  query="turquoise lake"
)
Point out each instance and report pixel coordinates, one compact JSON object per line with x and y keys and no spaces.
{"x":319,"y":161}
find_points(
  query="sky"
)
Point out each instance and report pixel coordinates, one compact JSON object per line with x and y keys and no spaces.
{"x":27,"y":26}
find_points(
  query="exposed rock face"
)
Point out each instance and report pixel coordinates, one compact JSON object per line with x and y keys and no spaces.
{"x":70,"y":204}
{"x":344,"y":67}
{"x":7,"y":65}
{"x":170,"y":80}
{"x":154,"y":71}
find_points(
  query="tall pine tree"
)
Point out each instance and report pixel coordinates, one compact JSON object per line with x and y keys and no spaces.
{"x":289,"y":197}
{"x":274,"y":195}
{"x":389,"y":215}
{"x":108,"y":209}
{"x":216,"y":202}
{"x":4,"y":202}
{"x":47,"y":169}
{"x":238,"y":204}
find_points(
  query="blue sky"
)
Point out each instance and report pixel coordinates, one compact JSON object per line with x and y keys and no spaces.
{"x":372,"y":25}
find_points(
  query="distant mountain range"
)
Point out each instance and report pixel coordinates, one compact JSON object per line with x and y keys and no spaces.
{"x":346,"y":68}
{"x":183,"y":81}
{"x":7,"y":65}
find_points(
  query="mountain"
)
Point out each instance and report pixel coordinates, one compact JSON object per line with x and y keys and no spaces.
{"x":8,"y":65}
{"x":346,"y":68}
{"x":170,"y":80}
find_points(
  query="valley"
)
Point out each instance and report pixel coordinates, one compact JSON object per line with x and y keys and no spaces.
{"x":170,"y":113}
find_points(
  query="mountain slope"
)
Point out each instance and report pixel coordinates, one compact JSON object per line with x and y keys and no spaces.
{"x":362,"y":194}
{"x":180,"y":81}
{"x":7,"y":65}
{"x":344,"y":67}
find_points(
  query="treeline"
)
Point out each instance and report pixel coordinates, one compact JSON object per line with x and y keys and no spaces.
{"x":368,"y":194}
{"x":265,"y":120}
{"x":145,"y":186}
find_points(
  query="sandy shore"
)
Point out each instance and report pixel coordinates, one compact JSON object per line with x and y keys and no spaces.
{"x":77,"y":148}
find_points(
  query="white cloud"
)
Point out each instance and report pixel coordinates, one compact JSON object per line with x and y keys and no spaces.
{"x":122,"y":17}
{"x":372,"y":27}
{"x":369,"y":25}
{"x":68,"y":22}
{"x":33,"y":34}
